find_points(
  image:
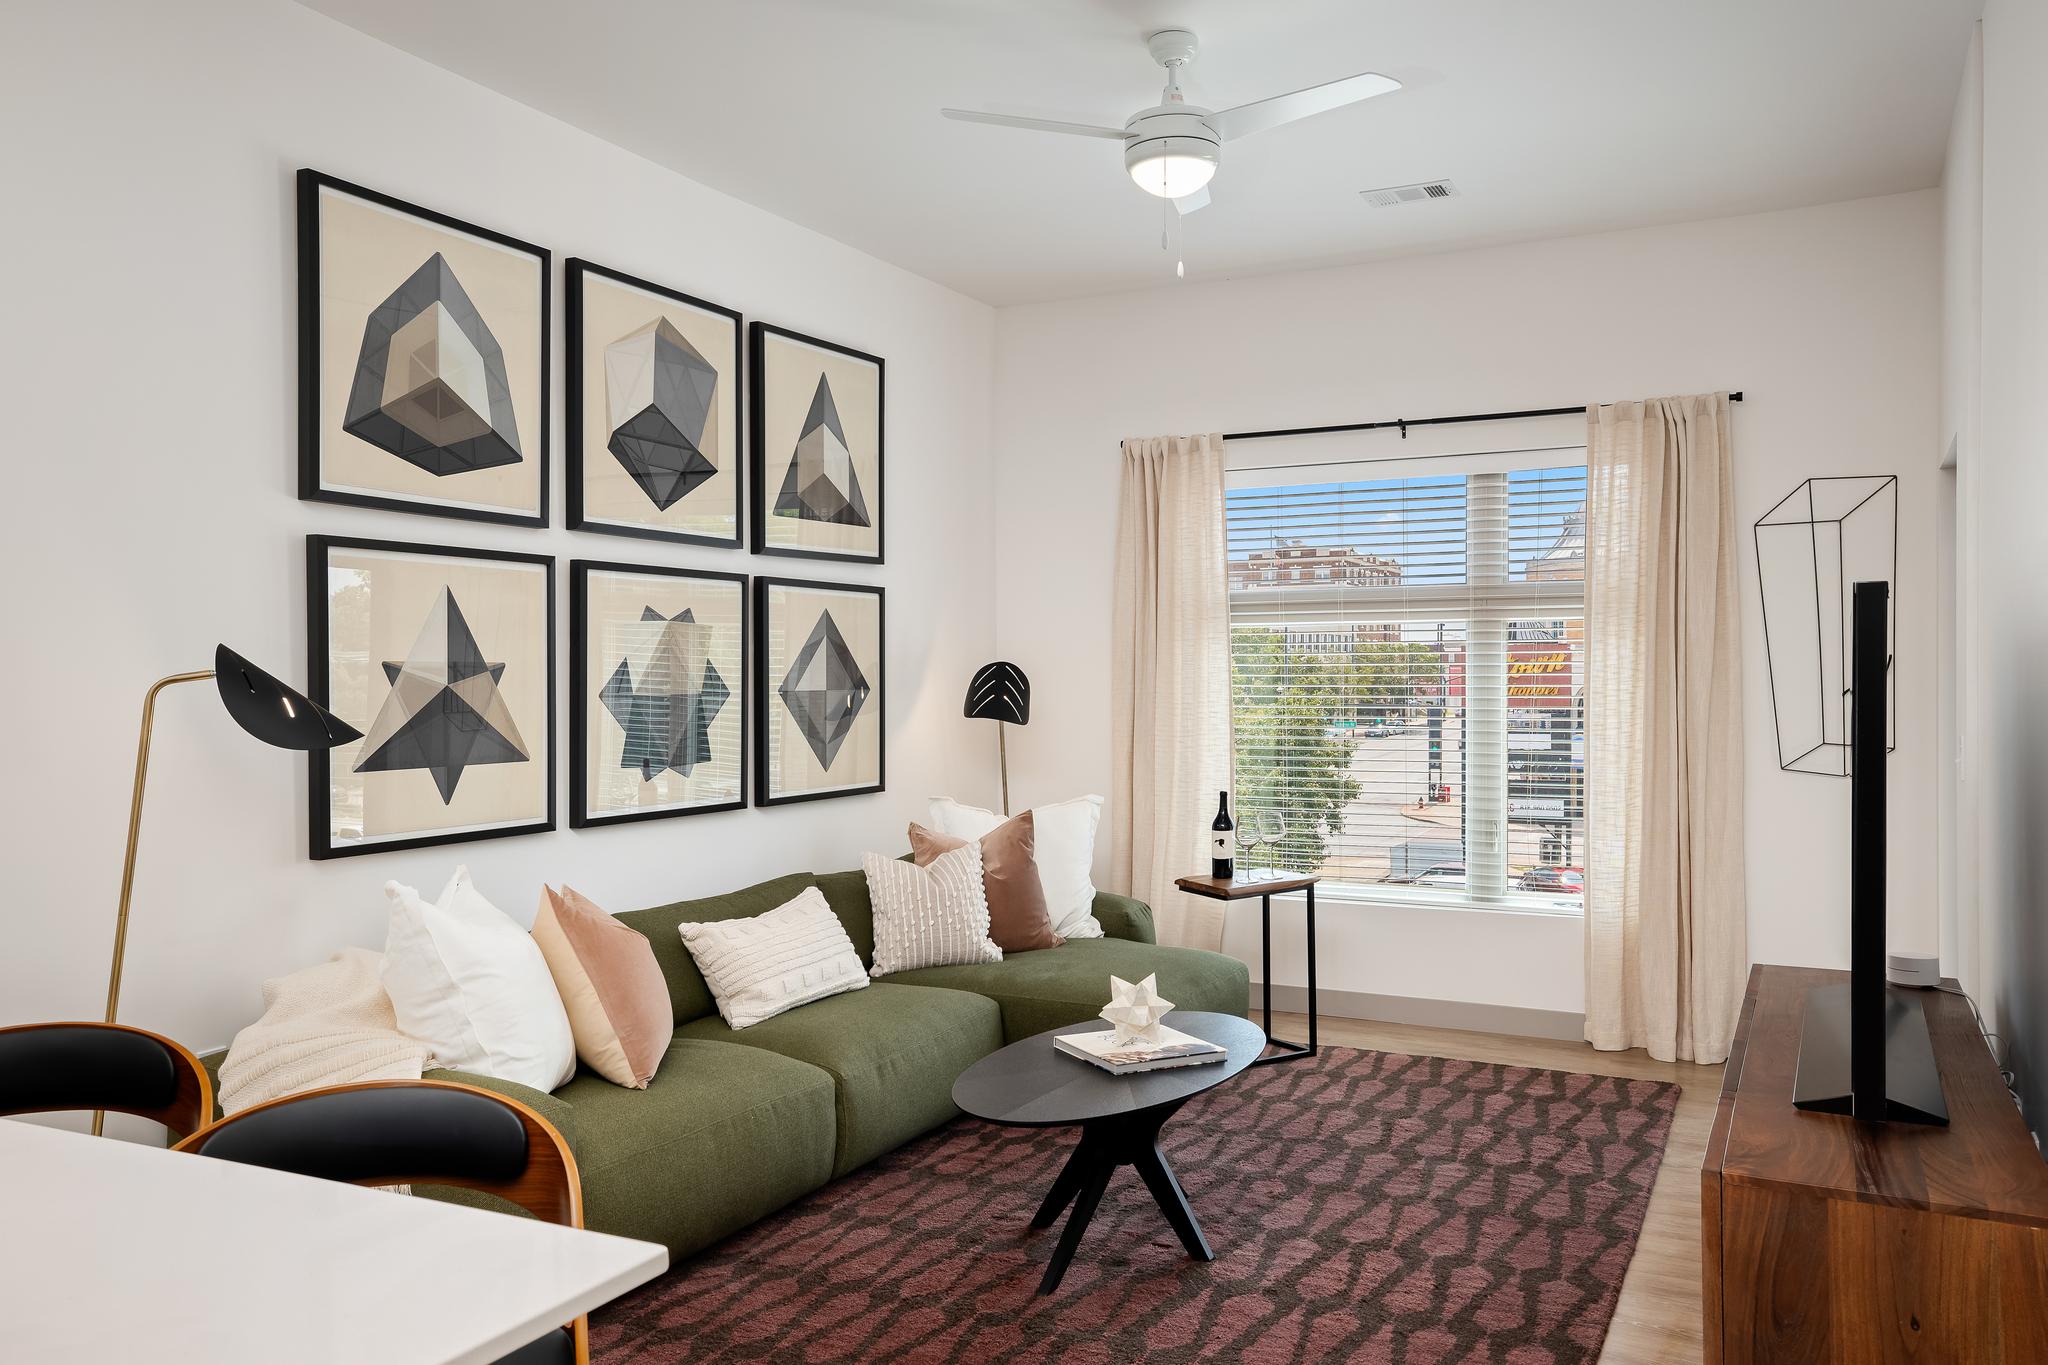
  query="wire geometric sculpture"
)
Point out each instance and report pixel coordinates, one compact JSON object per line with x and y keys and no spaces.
{"x":1821,"y":539}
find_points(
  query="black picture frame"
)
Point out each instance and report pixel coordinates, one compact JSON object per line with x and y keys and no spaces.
{"x":580,"y":699}
{"x":761,"y":719}
{"x":320,"y":845}
{"x":311,"y":484}
{"x":757,"y":426}
{"x":576,"y":269}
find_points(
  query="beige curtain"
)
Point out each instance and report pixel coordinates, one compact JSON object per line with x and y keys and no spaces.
{"x":1666,"y":929}
{"x":1169,"y":679}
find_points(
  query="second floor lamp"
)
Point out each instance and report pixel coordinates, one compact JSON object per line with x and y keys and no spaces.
{"x":1000,"y":692}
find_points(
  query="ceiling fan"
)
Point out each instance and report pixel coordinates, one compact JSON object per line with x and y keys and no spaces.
{"x":1172,"y":149}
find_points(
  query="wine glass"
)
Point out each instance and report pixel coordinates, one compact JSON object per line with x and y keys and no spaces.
{"x":1272,"y":826}
{"x":1247,"y":836}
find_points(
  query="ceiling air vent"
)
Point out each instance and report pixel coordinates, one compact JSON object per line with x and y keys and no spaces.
{"x":1396,"y":195}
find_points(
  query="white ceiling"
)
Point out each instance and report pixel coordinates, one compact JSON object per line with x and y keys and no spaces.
{"x":1553,"y":116}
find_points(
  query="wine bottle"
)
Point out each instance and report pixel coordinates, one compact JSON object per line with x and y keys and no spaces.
{"x":1221,"y":864}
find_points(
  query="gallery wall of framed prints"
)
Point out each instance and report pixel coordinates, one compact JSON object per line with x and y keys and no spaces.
{"x":424,"y":388}
{"x":819,"y":726}
{"x":423,"y":359}
{"x":445,"y":659}
{"x":815,"y":426}
{"x":658,"y":692}
{"x":654,"y":400}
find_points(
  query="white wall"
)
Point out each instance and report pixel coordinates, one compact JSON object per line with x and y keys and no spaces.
{"x":1828,"y":318}
{"x":1958,"y":776}
{"x":2003,"y":833}
{"x":150,"y":455}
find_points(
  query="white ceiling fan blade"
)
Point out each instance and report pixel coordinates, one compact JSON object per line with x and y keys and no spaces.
{"x":1247,"y":119}
{"x":1188,"y":203}
{"x":1043,"y":125}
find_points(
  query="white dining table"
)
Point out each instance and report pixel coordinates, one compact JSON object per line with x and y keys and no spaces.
{"x":115,"y":1251}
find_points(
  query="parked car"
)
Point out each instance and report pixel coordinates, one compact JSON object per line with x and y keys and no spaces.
{"x":1379,"y":729}
{"x":1555,"y":881}
{"x":1411,"y":858}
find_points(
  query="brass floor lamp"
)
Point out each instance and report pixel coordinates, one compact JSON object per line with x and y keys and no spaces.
{"x":260,"y":704}
{"x":1000,"y":692}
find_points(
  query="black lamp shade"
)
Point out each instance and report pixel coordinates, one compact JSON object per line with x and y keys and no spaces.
{"x":272,"y":712}
{"x":1000,"y":691}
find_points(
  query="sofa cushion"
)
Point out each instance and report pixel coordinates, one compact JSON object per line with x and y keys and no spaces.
{"x":847,"y":894}
{"x":686,"y":988}
{"x":1070,"y":984}
{"x":720,"y":1137}
{"x":893,"y":1051}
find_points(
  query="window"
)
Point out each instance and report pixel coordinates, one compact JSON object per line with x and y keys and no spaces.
{"x":1415,"y":722}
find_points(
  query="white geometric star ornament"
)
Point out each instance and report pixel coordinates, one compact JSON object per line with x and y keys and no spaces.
{"x":1136,"y":1011}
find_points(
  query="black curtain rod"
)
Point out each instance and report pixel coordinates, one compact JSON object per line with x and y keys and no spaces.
{"x":1403,"y":423}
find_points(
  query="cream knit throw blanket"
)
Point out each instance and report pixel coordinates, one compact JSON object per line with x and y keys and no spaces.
{"x":325,"y":1025}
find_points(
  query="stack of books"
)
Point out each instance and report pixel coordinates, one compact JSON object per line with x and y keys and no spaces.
{"x":1174,"y":1048}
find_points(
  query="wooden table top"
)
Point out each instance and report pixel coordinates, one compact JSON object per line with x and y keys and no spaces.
{"x":1983,"y":1164}
{"x":1238,"y":888}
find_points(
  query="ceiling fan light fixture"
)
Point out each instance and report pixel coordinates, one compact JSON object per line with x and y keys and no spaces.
{"x":1171,"y":166}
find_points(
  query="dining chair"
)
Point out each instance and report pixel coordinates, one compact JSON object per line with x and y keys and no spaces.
{"x":52,"y":1068}
{"x":418,"y":1133}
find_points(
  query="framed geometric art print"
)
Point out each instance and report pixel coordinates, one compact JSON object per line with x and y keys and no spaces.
{"x":657,"y":686}
{"x":819,"y":726}
{"x":654,"y":410}
{"x":815,"y":427}
{"x":423,"y":359}
{"x":444,"y":659}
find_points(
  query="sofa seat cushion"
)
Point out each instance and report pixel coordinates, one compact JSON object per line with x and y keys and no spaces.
{"x":1070,"y":984}
{"x":893,"y":1053}
{"x":720,"y":1137}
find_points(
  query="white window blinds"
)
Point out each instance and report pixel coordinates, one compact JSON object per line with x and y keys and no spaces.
{"x":1407,"y":674}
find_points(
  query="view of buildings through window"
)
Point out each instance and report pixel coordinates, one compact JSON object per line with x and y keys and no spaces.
{"x":1408,"y":680}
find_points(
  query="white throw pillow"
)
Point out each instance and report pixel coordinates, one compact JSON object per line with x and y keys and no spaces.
{"x":759,"y":966}
{"x":1065,"y":854}
{"x":468,"y":982}
{"x":933,"y":916}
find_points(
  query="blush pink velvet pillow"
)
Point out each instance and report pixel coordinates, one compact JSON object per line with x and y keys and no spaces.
{"x":1018,"y":921}
{"x":610,"y":984}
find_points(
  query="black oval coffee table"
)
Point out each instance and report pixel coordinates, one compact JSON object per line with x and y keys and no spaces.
{"x":1032,"y":1084}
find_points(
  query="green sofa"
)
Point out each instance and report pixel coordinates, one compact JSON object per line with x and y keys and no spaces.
{"x":738,"y":1123}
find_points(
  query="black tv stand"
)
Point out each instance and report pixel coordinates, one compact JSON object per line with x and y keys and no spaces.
{"x":1912,"y":1082}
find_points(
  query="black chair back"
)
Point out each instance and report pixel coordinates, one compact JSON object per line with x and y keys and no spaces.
{"x":385,"y":1136}
{"x":53,"y":1068}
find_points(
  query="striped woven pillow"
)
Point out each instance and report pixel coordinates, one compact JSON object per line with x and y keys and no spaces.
{"x":933,"y":916}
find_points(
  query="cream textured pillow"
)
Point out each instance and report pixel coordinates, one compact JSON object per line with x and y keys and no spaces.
{"x":933,"y":916}
{"x":469,"y":983}
{"x":1064,"y":850}
{"x":762,"y":965}
{"x":611,"y":986}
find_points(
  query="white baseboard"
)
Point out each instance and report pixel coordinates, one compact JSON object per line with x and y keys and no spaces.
{"x":1516,"y":1020}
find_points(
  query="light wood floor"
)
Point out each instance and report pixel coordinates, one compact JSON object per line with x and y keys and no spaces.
{"x":1657,"y":1321}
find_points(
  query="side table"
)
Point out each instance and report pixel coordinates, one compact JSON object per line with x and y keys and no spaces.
{"x":1237,"y":889}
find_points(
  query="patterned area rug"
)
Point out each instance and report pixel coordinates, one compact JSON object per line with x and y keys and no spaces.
{"x":1363,"y":1207}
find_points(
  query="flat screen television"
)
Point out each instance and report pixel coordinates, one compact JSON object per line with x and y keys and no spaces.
{"x":1865,"y":1051}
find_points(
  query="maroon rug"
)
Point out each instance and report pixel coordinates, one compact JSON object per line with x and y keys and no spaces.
{"x":1364,"y":1207}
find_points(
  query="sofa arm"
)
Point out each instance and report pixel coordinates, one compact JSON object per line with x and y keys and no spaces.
{"x":556,"y":1111}
{"x":1122,"y":917}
